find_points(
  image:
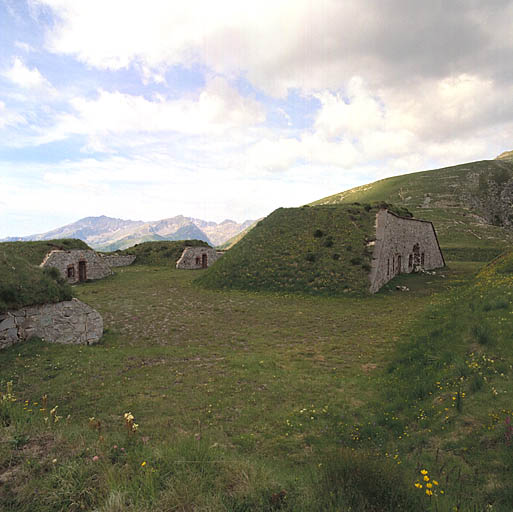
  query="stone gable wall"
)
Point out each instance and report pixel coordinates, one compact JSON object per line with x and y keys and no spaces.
{"x":96,"y":267}
{"x":118,"y":260}
{"x":402,"y":245}
{"x":71,"y":321}
{"x":192,"y":257}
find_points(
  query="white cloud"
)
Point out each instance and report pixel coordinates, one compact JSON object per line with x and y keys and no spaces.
{"x":9,"y":118}
{"x":218,"y":108}
{"x":25,"y":77}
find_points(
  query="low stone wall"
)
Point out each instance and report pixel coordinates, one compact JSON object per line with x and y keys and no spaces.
{"x":121,"y":260}
{"x":77,"y":265}
{"x":71,"y":321}
{"x":198,"y":257}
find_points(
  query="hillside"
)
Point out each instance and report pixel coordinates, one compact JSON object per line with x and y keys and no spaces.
{"x":164,"y":253}
{"x":471,"y":205}
{"x":317,"y":250}
{"x":23,"y":282}
{"x":110,"y":234}
{"x":34,"y":252}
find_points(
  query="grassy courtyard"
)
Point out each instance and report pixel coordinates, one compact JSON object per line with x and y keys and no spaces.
{"x":243,"y":401}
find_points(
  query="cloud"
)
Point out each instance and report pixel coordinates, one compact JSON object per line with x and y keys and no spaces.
{"x":289,"y":44}
{"x":218,"y":108}
{"x":9,"y":118}
{"x":25,"y":77}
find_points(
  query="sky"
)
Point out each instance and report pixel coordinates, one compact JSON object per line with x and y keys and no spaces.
{"x":145,"y":110}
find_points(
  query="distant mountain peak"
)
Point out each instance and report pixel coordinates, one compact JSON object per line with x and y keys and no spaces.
{"x":109,"y":233}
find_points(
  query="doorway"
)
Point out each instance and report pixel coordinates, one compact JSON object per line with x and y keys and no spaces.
{"x":82,"y":271}
{"x":203,"y":261}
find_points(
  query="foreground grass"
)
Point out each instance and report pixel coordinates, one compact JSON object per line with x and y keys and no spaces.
{"x":244,"y":401}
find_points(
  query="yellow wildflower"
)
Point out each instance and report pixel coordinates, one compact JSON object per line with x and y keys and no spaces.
{"x":426,"y":478}
{"x":424,"y":471}
{"x":428,"y":492}
{"x":143,"y":463}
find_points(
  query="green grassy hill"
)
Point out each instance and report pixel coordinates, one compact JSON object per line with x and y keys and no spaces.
{"x":318,"y":250}
{"x":161,"y":253}
{"x":23,"y":282}
{"x":469,"y":204}
{"x":34,"y":252}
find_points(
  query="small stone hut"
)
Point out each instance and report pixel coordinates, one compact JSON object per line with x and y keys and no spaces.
{"x":402,"y":245}
{"x":193,"y":258}
{"x":77,"y":265}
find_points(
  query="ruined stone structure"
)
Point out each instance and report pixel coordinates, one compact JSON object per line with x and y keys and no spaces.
{"x":198,"y":257}
{"x":72,"y":322}
{"x":118,"y":260}
{"x":77,"y":265}
{"x":402,"y":245}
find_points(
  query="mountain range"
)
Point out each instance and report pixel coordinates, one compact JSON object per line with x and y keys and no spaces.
{"x":110,"y":234}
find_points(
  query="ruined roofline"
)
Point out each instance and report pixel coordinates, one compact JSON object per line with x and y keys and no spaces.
{"x":49,"y":253}
{"x":420,"y":220}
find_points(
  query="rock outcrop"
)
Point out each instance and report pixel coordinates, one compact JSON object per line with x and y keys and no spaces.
{"x":71,"y":322}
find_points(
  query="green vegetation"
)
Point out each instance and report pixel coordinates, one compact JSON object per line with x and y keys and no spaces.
{"x":23,"y":282}
{"x":268,"y":401}
{"x":161,"y":253}
{"x":34,"y":252}
{"x":464,"y":203}
{"x":318,"y":250}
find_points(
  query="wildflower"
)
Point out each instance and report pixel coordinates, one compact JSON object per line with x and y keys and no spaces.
{"x":435,"y":482}
{"x":96,"y":458}
{"x":54,"y":461}
{"x":429,"y":485}
{"x":428,"y":492}
{"x":418,"y":486}
{"x":426,"y":478}
{"x":423,"y":471}
{"x":143,"y":464}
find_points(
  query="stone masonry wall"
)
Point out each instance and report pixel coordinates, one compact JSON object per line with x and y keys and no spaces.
{"x":71,"y":321}
{"x":68,"y":264}
{"x":115,"y":260}
{"x":402,"y":245}
{"x":194,"y":257}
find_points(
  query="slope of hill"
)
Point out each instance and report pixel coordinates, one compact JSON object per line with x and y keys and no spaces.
{"x":164,"y":253}
{"x":317,"y":250}
{"x":109,"y":234}
{"x":23,"y":282}
{"x":471,"y":205}
{"x":35,"y":251}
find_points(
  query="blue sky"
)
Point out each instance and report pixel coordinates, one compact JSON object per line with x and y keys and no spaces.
{"x":230,"y":109}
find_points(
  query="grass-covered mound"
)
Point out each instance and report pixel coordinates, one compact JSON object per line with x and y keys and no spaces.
{"x":318,"y":250}
{"x":34,"y":252}
{"x":446,"y":400}
{"x":23,"y":284}
{"x":161,"y":253}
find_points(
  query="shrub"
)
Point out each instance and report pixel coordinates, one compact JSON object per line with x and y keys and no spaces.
{"x":318,"y":233}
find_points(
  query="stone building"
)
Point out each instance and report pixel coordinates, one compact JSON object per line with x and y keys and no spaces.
{"x":118,"y":260}
{"x":71,"y":321}
{"x":402,"y":245}
{"x":198,"y":257}
{"x":77,"y":265}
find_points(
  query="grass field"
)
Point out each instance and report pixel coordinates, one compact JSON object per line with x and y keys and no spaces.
{"x":244,"y":401}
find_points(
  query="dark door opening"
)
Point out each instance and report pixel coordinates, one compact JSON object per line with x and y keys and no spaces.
{"x":203,"y":261}
{"x":82,"y":271}
{"x":398,"y":263}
